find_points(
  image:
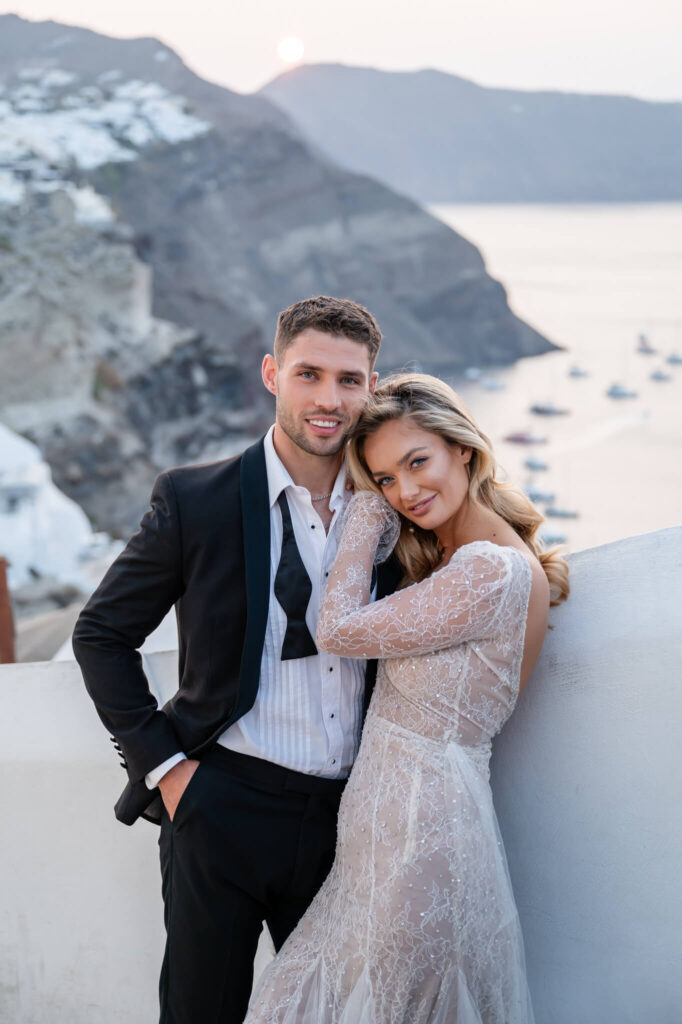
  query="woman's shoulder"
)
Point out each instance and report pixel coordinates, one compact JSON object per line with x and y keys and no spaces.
{"x":509,"y":562}
{"x":488,"y":552}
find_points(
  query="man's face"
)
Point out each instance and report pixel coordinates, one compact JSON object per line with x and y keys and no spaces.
{"x":321,"y":385}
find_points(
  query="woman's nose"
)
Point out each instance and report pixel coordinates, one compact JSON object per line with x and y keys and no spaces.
{"x":408,"y":490}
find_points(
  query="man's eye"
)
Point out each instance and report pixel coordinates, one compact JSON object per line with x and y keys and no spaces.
{"x":307,"y":374}
{"x":350,"y":380}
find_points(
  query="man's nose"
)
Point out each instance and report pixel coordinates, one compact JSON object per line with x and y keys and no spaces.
{"x":327,"y":396}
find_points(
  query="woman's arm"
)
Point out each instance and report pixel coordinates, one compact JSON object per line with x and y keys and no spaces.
{"x":457,"y":603}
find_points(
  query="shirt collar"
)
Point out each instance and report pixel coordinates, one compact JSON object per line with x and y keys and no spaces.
{"x":279,"y":478}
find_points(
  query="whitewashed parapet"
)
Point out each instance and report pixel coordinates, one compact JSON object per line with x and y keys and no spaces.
{"x":586,"y":783}
{"x":586,"y":780}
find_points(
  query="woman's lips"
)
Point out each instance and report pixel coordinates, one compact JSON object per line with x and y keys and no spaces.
{"x":422,"y":507}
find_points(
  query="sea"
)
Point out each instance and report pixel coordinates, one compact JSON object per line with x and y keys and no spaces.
{"x":592,"y":279}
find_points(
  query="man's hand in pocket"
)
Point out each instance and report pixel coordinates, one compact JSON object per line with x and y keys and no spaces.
{"x":175,"y":782}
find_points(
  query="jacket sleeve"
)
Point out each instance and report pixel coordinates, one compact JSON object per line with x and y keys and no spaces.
{"x":138,"y":590}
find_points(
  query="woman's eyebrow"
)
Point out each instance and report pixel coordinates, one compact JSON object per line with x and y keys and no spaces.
{"x":402,"y":461}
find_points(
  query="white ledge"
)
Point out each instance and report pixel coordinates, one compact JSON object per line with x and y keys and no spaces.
{"x":585,"y":779}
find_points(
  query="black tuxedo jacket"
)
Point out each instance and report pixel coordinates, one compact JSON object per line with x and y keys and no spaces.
{"x":203,"y":546}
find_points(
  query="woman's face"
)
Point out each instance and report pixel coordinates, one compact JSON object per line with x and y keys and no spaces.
{"x":421,"y":475}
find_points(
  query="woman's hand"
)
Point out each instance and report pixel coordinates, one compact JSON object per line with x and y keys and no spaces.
{"x":369,"y":517}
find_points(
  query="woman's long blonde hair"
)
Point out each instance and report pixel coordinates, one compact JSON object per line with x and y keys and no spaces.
{"x":434,"y":406}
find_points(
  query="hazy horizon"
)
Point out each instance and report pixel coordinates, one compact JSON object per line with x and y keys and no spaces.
{"x":568,"y":47}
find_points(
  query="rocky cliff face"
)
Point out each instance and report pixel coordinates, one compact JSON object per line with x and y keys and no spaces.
{"x":152,"y":227}
{"x":109,"y":392}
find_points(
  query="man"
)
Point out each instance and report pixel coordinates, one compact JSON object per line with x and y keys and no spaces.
{"x":245,"y":765}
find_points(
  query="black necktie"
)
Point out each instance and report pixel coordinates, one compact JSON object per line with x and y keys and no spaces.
{"x":293,"y":589}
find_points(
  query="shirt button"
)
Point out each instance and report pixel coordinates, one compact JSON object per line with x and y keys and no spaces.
{"x":331,"y":669}
{"x":326,"y":574}
{"x":312,"y":526}
{"x":333,"y":760}
{"x":331,"y":715}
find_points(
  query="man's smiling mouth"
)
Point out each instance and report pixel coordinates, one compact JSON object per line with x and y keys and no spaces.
{"x":320,"y":424}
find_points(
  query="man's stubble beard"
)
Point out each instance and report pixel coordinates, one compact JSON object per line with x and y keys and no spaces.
{"x":297,"y":433}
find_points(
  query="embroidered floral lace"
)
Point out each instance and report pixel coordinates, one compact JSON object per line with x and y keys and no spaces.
{"x":416,"y":921}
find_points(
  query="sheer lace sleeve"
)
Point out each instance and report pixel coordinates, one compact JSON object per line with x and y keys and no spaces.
{"x":462,"y":601}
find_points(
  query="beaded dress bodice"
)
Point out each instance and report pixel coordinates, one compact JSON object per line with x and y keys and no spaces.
{"x":450,"y":647}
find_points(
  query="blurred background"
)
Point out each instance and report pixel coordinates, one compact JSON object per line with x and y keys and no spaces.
{"x":501,"y":186}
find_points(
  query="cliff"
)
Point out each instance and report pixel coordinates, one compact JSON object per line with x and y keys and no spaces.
{"x":151,"y":227}
{"x":440,"y":138}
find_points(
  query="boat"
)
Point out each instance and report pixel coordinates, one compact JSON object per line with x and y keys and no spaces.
{"x":550,"y":538}
{"x":472,"y":373}
{"x":492,"y":384}
{"x":525,"y":437}
{"x":548,"y":409}
{"x":644,"y":347}
{"x":674,"y":359}
{"x":536,"y":464}
{"x":556,"y":512}
{"x":618,"y":391}
{"x":540,"y":497}
{"x":660,"y":375}
{"x":577,"y":371}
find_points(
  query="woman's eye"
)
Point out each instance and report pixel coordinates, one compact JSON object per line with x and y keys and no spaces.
{"x":384,"y":481}
{"x":418,"y":461}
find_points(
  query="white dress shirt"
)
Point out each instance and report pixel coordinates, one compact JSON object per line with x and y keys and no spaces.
{"x":308,"y":711}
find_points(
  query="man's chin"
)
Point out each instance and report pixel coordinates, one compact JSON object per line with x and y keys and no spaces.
{"x":317,"y":444}
{"x":325,"y":445}
{"x":310,"y":442}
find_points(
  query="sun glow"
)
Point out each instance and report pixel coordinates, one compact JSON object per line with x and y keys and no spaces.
{"x":290,"y":50}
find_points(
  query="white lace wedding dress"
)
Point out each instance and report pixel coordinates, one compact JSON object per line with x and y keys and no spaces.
{"x":416,"y":921}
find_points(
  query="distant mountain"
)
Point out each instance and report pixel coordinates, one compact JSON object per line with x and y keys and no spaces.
{"x":440,"y":138}
{"x":151,"y":227}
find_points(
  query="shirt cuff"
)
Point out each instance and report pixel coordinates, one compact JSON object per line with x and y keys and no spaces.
{"x":154,"y":777}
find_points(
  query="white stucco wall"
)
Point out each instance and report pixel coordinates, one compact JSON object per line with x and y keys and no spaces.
{"x":586,"y":781}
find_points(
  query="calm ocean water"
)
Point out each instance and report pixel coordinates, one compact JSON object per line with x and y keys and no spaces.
{"x":590,"y":278}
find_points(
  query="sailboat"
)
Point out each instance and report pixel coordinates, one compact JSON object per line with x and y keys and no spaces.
{"x":619,"y":391}
{"x":644,"y":347}
{"x":548,"y":409}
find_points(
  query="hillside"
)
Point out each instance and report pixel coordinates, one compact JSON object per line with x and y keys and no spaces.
{"x":151,"y":227}
{"x":440,"y":138}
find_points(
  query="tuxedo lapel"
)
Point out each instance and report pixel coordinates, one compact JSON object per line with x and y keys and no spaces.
{"x":255,"y":505}
{"x":387,"y":578}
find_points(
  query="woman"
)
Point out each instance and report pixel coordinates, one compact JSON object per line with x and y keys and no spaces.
{"x":416,"y":922}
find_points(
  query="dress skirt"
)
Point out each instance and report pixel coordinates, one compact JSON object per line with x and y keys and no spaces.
{"x":416,"y":922}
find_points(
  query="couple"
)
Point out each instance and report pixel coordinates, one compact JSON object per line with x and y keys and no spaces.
{"x":290,"y":588}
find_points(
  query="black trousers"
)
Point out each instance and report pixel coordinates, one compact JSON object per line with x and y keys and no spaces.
{"x":250,"y":841}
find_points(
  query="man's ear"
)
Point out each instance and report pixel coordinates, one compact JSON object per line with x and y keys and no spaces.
{"x":374,"y":377}
{"x":269,"y":373}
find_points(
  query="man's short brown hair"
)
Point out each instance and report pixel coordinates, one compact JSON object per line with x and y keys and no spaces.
{"x":331,"y":316}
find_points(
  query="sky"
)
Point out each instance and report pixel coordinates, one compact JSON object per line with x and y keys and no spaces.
{"x":605,"y":46}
